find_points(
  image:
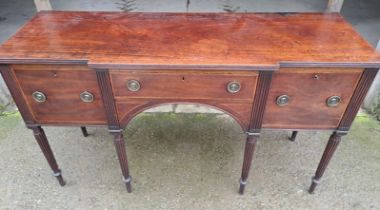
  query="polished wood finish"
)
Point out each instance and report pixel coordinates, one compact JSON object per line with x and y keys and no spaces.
{"x":189,"y":58}
{"x":188,"y":40}
{"x":62,"y":87}
{"x":188,"y":84}
{"x":260,"y":100}
{"x":308,"y":90}
{"x":108,"y":100}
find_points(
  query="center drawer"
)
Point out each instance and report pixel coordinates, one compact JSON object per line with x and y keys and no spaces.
{"x":239,"y":85}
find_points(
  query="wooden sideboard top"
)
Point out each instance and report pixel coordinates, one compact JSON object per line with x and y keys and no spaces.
{"x":190,"y":41}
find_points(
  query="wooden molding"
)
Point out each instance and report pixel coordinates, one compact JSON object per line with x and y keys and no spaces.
{"x":259,"y":102}
{"x":108,"y":99}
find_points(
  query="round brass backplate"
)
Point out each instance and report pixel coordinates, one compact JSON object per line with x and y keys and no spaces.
{"x":333,"y":101}
{"x":282,"y":100}
{"x":133,"y":85}
{"x":39,"y":96}
{"x":233,"y":87}
{"x":87,"y":97}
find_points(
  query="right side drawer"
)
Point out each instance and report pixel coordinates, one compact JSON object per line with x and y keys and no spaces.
{"x":308,"y":91}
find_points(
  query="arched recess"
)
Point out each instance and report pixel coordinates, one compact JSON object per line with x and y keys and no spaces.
{"x":239,"y":111}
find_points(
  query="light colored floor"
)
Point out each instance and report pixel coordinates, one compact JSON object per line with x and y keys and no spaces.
{"x":185,"y":161}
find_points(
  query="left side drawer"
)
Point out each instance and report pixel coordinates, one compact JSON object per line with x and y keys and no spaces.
{"x":62,"y":86}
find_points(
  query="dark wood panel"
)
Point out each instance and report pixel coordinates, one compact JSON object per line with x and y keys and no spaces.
{"x":129,"y":108}
{"x":184,"y":84}
{"x":104,"y":83}
{"x":190,"y":40}
{"x":62,"y":89}
{"x":308,"y":90}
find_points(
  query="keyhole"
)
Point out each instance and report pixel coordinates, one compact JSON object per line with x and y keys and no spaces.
{"x":183,"y":78}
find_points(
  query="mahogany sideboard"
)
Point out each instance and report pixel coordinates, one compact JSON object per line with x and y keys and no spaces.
{"x":293,"y":71}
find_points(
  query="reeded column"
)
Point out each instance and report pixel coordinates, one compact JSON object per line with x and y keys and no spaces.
{"x":42,"y":141}
{"x":250,"y":145}
{"x":331,"y":146}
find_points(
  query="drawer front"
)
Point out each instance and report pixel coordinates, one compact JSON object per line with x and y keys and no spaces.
{"x":184,"y":84}
{"x":62,"y":87}
{"x":308,"y":91}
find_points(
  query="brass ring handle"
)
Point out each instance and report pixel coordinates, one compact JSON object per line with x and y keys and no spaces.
{"x":282,"y":100}
{"x":333,"y":101}
{"x":233,"y":87}
{"x":133,"y":85}
{"x":39,"y":96}
{"x":87,"y":97}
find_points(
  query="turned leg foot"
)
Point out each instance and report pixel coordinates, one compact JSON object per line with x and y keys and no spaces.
{"x":314,"y":183}
{"x":59,"y":177}
{"x":127,"y":182}
{"x":42,"y":141}
{"x":122,"y":155}
{"x":248,"y":154}
{"x":294,"y":136}
{"x":84,"y":131}
{"x":242,"y":186}
{"x":326,"y":157}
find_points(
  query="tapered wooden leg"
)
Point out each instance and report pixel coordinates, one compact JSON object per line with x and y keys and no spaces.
{"x":42,"y":141}
{"x":294,"y":136}
{"x":84,"y":131}
{"x":326,"y":157}
{"x":250,"y":145}
{"x":122,"y":155}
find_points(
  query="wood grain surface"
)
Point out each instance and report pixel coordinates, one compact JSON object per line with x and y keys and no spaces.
{"x":189,"y":40}
{"x":184,"y":84}
{"x":309,"y":90}
{"x":62,"y":86}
